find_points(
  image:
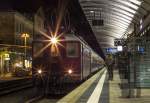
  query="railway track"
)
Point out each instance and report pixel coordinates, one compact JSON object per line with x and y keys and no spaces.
{"x":7,"y":87}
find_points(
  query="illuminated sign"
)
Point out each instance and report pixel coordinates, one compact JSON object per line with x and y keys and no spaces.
{"x":6,"y":56}
{"x":119,"y":48}
{"x":111,"y":50}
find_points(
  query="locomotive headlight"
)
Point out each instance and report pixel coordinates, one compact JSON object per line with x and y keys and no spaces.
{"x":39,"y":71}
{"x":54,"y":40}
{"x":70,"y":71}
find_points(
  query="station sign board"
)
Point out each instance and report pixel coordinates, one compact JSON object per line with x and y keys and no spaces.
{"x":111,"y":50}
{"x":119,"y":42}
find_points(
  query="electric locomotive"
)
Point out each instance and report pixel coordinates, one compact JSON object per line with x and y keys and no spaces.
{"x":64,"y":62}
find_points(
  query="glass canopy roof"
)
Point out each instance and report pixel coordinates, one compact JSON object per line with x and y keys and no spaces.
{"x":119,"y":17}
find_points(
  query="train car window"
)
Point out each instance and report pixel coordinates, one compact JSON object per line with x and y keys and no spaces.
{"x":72,"y":50}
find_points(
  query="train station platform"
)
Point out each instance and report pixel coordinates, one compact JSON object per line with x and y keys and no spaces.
{"x":98,"y":89}
{"x":8,"y":77}
{"x":115,"y":93}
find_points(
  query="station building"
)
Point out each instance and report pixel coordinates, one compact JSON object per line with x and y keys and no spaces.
{"x":13,"y":26}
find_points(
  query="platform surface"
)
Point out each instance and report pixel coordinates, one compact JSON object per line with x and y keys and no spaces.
{"x":115,"y":93}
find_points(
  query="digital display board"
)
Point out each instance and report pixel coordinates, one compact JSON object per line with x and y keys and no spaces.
{"x":111,"y":50}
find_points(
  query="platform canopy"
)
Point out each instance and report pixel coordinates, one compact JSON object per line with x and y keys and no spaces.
{"x":112,"y":19}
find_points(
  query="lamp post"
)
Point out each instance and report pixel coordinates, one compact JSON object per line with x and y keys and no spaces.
{"x":25,"y":36}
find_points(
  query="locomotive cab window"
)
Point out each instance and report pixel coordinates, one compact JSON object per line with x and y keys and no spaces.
{"x":72,"y":49}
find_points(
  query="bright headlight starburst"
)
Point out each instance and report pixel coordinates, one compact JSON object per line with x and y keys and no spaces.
{"x":39,"y":71}
{"x":54,"y":40}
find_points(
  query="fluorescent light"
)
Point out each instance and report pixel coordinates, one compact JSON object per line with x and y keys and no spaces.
{"x":141,"y":26}
{"x":115,"y":15}
{"x":136,"y":2}
{"x":141,"y":21}
{"x":129,"y":4}
{"x":124,"y":12}
{"x":119,"y":48}
{"x":114,"y":25}
{"x":120,"y":21}
{"x":125,"y":8}
{"x":91,"y":11}
{"x":110,"y":32}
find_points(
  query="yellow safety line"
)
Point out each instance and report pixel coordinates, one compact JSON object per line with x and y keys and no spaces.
{"x":94,"y":98}
{"x":79,"y":91}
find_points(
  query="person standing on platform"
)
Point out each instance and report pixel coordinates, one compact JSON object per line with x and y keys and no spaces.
{"x":124,"y":59}
{"x":109,"y":62}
